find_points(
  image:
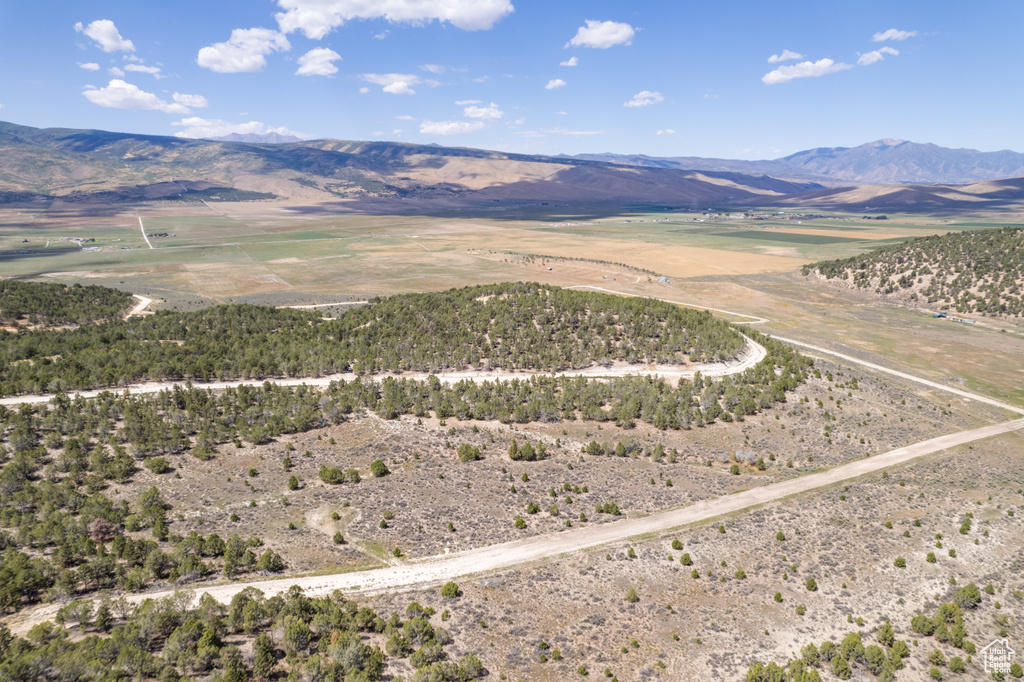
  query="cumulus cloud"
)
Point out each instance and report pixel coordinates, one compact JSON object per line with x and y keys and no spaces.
{"x":876,"y":55}
{"x":121,"y":95}
{"x":450,"y":127}
{"x":195,"y":101}
{"x":244,"y":52}
{"x":318,"y":62}
{"x":317,"y":18}
{"x":116,"y":72}
{"x":490,"y":112}
{"x":89,"y":66}
{"x":644,"y":98}
{"x":892,"y":34}
{"x":106,"y":36}
{"x":822,"y":67}
{"x":602,"y":35}
{"x":786,"y":56}
{"x":571,"y":61}
{"x":666,"y":131}
{"x":394,"y":83}
{"x":554,"y":84}
{"x":139,"y":68}
{"x":195,"y":127}
{"x":432,"y":68}
{"x":466,"y":102}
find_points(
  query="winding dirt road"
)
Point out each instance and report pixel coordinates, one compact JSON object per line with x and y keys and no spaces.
{"x":751,"y":354}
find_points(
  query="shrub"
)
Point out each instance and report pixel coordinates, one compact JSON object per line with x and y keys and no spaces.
{"x":778,"y":597}
{"x":801,"y":610}
{"x":956,"y":665}
{"x":468,"y":453}
{"x":811,"y":585}
{"x":339,"y":539}
{"x":331,"y":475}
{"x":532,"y":508}
{"x":631,"y":596}
{"x":900,"y":562}
{"x":740,"y":574}
{"x":930,"y":558}
{"x":293,"y":483}
{"x":582,"y":670}
{"x":158,"y":465}
{"x":780,"y":536}
{"x":734,"y":470}
{"x":379,"y":469}
{"x":935,"y":673}
{"x":677,"y":545}
{"x":631,"y":553}
{"x":451,"y":590}
{"x":685,"y":560}
{"x":520,"y":523}
{"x":608,"y":508}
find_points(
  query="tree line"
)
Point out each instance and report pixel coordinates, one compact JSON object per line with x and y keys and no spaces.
{"x":40,"y":303}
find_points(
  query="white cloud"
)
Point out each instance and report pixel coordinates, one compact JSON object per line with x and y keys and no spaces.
{"x":197,"y":101}
{"x":571,"y":61}
{"x":404,"y":117}
{"x":89,"y":66}
{"x":450,"y":127}
{"x":121,"y":95}
{"x":382,"y":36}
{"x":244,"y":52}
{"x":786,"y":56}
{"x":106,"y":36}
{"x":317,"y":18}
{"x":644,"y":98}
{"x":466,"y":102}
{"x":116,"y":72}
{"x":432,"y":68}
{"x":666,"y":131}
{"x":561,"y":113}
{"x":892,"y":34}
{"x":554,"y":83}
{"x":139,"y":68}
{"x":363,"y":90}
{"x":822,"y":67}
{"x":492,"y":112}
{"x":394,"y":83}
{"x":876,"y":55}
{"x":602,"y":35}
{"x":318,"y":62}
{"x":195,"y":127}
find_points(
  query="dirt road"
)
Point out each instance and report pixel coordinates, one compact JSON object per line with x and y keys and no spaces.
{"x":751,"y":354}
{"x":439,"y":569}
{"x":139,"y":307}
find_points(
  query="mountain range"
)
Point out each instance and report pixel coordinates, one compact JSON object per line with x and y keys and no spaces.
{"x":92,"y":166}
{"x":880,"y":162}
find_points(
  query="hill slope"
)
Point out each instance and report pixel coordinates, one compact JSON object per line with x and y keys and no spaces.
{"x":79,"y":164}
{"x":969,"y":272}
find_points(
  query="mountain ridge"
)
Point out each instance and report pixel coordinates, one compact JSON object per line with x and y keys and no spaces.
{"x":885,"y":161}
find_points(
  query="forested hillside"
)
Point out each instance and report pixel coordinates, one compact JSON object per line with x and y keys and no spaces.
{"x":57,"y":304}
{"x":969,"y":272}
{"x":507,"y":326}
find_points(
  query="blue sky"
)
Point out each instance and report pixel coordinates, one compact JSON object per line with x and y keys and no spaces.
{"x":670,"y":78}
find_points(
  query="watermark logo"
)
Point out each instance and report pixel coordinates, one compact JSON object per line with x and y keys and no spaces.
{"x":998,"y":656}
